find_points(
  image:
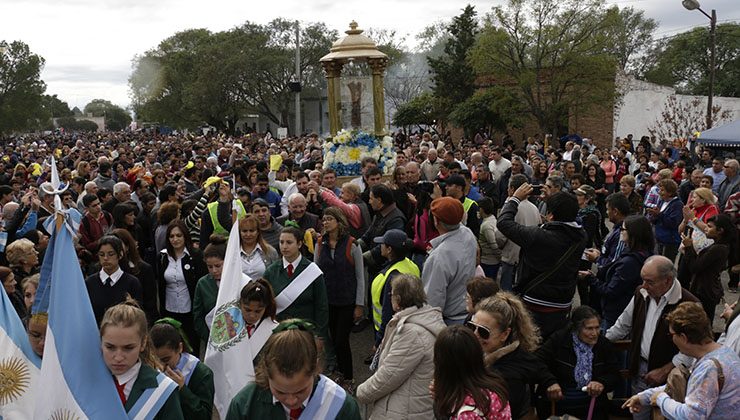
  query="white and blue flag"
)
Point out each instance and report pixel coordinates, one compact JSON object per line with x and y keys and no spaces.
{"x":74,"y":382}
{"x":19,"y":365}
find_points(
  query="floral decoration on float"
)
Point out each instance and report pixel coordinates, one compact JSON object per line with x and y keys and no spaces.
{"x":344,"y":152}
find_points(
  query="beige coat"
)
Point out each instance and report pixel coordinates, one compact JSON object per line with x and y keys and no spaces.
{"x":399,"y":389}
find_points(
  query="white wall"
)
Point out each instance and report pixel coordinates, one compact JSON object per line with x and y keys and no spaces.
{"x":643,"y":103}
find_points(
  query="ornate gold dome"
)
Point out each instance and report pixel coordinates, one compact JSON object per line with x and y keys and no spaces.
{"x":353,"y":46}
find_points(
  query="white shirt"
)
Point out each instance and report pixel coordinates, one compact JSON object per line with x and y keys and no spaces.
{"x":253,"y":264}
{"x":623,"y":326}
{"x":286,"y":409}
{"x":498,"y":168}
{"x":177,"y":296}
{"x":113,"y":277}
{"x":129,"y":378}
{"x":731,"y":338}
{"x":295,"y":263}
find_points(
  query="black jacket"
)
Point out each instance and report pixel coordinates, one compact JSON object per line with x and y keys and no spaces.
{"x":392,"y":220}
{"x":615,"y":283}
{"x":560,"y":357}
{"x":521,"y":370}
{"x":542,"y":246}
{"x":193,"y":267}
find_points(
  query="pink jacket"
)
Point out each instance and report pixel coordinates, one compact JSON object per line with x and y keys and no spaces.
{"x":423,"y":231}
{"x":352,"y":211}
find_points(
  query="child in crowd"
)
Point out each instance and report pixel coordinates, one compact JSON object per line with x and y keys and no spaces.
{"x":194,"y":379}
{"x":288,"y":372}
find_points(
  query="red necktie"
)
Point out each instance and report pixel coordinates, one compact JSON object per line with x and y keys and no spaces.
{"x":295,"y":413}
{"x":290,"y":270}
{"x":250,"y":328}
{"x":121,"y":393}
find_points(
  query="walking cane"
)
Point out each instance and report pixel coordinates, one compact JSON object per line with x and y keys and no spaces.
{"x":591,"y":408}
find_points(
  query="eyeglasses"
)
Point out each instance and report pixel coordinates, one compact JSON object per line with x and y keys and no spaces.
{"x":482,"y":331}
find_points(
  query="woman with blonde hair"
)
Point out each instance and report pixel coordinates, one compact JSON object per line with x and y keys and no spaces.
{"x":509,"y":338}
{"x":130,"y":356}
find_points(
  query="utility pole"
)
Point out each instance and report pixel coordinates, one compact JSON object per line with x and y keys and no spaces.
{"x":298,"y":78}
{"x":712,"y":65}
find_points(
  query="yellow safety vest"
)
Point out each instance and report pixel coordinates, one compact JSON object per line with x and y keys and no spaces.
{"x":467,"y":204}
{"x":213,"y":212}
{"x":405,"y":266}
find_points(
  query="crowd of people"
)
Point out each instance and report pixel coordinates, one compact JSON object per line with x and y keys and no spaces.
{"x":497,"y":276}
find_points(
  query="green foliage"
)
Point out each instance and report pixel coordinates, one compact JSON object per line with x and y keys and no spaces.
{"x":682,"y":61}
{"x":629,"y":34}
{"x":492,"y":108}
{"x":21,"y":88}
{"x":55,"y":107}
{"x":197,"y":76}
{"x":554,"y":53}
{"x":452,"y":74}
{"x":72,"y":124}
{"x":424,"y":109}
{"x":116,"y":118}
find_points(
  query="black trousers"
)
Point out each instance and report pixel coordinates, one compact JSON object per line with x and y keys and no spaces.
{"x":340,"y":326}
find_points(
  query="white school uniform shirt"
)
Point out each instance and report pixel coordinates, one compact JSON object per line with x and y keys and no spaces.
{"x":128,"y":378}
{"x":113,"y":277}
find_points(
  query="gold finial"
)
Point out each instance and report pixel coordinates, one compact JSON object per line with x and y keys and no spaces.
{"x":353,"y":29}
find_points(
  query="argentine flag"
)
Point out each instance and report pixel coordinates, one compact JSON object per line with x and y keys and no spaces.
{"x":75,"y":382}
{"x":19,"y":365}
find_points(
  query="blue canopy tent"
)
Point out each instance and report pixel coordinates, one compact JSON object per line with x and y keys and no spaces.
{"x":724,"y":136}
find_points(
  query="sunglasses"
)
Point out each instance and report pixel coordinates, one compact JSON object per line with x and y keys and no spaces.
{"x":482,"y":331}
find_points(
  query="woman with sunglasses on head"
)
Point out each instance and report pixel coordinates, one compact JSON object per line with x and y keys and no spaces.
{"x":509,"y":338}
{"x":399,"y":387}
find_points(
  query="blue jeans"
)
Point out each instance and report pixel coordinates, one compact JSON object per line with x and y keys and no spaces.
{"x":508,"y":272}
{"x":491,"y":270}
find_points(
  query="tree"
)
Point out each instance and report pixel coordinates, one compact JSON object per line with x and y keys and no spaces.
{"x":424,"y":109}
{"x":554,"y":53}
{"x":682,"y":61}
{"x":116,"y":118}
{"x":680,"y":119}
{"x":630,"y":34}
{"x":21,"y":87}
{"x":493,"y":108}
{"x":72,"y":124}
{"x":55,"y":107}
{"x":452,"y":74}
{"x":197,"y":76}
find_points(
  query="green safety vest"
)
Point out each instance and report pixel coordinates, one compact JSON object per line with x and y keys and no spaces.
{"x":213,"y":212}
{"x":405,"y":266}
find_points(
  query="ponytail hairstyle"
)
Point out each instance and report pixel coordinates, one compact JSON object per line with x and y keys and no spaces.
{"x":129,"y":314}
{"x":510,"y":312}
{"x":168,"y":332}
{"x":291,"y":349}
{"x":464,"y":374}
{"x":260,"y":291}
{"x":216,"y":247}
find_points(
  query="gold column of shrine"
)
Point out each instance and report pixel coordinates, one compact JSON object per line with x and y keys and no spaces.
{"x":360,"y":48}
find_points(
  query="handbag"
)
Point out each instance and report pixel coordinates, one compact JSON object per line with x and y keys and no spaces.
{"x":677,"y":383}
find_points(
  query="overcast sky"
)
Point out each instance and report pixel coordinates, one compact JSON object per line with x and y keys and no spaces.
{"x":89,"y":44}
